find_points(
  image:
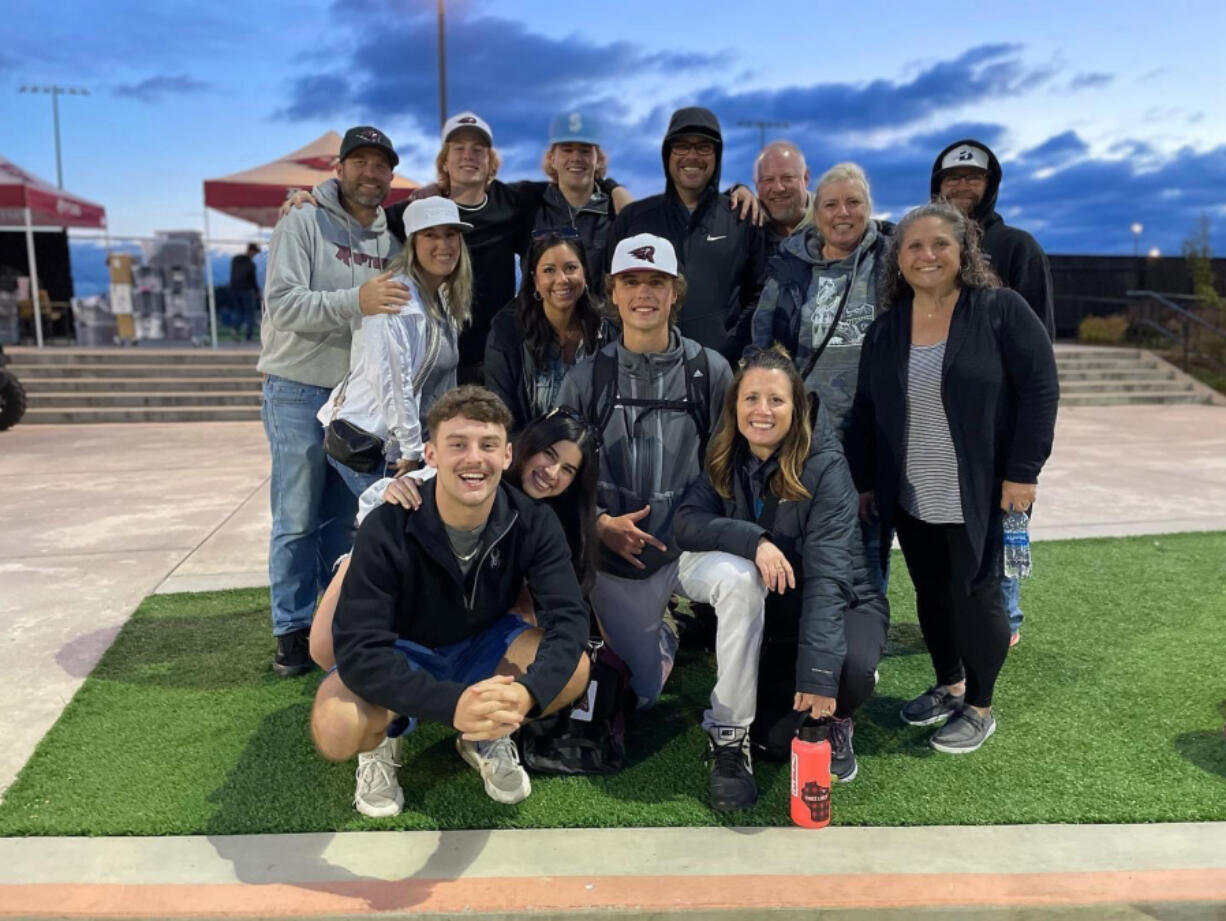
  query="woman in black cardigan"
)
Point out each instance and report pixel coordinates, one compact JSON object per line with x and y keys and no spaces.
{"x":954,"y":416}
{"x":777,"y":491}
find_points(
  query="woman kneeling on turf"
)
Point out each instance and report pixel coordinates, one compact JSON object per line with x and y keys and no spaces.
{"x":777,"y":491}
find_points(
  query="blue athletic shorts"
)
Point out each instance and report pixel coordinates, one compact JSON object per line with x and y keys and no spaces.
{"x":468,"y":661}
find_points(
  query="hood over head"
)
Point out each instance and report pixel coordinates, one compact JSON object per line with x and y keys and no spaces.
{"x":969,"y":157}
{"x":694,"y":120}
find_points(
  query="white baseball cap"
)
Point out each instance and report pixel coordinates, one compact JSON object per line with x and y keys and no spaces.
{"x":965,"y":155}
{"x":467,"y":120}
{"x":434,"y":211}
{"x":644,"y":252}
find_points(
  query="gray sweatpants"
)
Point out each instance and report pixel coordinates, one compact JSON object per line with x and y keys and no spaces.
{"x":631,"y":614}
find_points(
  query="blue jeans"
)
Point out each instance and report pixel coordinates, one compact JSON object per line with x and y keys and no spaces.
{"x":1011,"y":592}
{"x":878,"y":574}
{"x":356,"y":482}
{"x":312,"y":508}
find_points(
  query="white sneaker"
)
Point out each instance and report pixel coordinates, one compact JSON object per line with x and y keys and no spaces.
{"x":506,"y":781}
{"x":377,"y":793}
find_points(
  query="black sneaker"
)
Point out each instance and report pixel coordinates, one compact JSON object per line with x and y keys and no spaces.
{"x":842,"y":756}
{"x":964,"y":733}
{"x":732,"y":783}
{"x":935,"y":705}
{"x":293,"y":654}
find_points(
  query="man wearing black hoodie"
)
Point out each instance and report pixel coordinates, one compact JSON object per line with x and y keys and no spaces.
{"x":967,"y":175}
{"x":722,"y":256}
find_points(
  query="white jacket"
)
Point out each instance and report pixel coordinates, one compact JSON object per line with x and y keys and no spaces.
{"x":402,"y":363}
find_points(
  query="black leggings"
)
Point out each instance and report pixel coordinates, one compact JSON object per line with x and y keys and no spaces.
{"x":964,"y":622}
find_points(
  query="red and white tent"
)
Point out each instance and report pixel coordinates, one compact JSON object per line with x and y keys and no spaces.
{"x":257,"y":194}
{"x":30,"y":203}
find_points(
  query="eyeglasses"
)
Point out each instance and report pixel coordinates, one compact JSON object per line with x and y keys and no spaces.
{"x":970,"y":177}
{"x":590,"y":430}
{"x":562,"y":233}
{"x":702,"y":148}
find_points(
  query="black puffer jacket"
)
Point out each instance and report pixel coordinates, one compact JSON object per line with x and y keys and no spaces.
{"x":821,"y":539}
{"x":722,"y":257}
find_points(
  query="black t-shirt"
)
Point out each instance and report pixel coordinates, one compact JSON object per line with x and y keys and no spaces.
{"x":500,"y":231}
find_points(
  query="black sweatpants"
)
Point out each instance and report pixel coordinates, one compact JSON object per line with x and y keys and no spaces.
{"x":776,"y":722}
{"x":964,"y":622}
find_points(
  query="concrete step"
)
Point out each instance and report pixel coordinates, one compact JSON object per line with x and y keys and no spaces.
{"x":1125,"y":398}
{"x":39,"y":385}
{"x":25,"y":372}
{"x":78,"y":415}
{"x":1137,"y":374}
{"x":1077,"y":387}
{"x":1103,"y":364}
{"x":1075,"y":353}
{"x":126,"y":399}
{"x":146,"y":356}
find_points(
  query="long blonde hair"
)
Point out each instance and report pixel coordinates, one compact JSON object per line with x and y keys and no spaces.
{"x":793,"y":451}
{"x":455,"y":294}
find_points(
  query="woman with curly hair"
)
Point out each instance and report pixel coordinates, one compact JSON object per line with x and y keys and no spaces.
{"x":553,"y":322}
{"x":954,"y":416}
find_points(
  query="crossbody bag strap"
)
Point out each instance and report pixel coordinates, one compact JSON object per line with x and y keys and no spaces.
{"x":838,"y":315}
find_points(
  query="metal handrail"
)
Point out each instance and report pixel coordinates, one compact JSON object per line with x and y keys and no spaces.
{"x":1185,"y":317}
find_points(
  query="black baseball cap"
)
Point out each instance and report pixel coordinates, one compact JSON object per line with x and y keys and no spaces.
{"x":366,"y":136}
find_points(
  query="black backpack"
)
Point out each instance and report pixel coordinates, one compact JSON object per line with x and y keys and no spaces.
{"x":697,"y":401}
{"x":589,"y":737}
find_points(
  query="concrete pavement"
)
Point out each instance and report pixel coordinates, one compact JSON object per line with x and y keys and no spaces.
{"x":97,"y":517}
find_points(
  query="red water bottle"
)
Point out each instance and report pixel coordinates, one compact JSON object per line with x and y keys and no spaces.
{"x":810,"y":805}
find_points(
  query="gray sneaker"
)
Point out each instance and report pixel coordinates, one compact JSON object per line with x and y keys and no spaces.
{"x":497,"y":762}
{"x":964,"y":733}
{"x":376,"y":792}
{"x":935,"y":705}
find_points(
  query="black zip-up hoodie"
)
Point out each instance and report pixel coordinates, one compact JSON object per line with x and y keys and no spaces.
{"x":722,"y":257}
{"x":404,"y":583}
{"x":820,"y":536}
{"x":1015,"y":255}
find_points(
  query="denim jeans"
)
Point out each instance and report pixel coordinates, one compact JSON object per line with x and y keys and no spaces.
{"x":1011,"y":592}
{"x":356,"y":482}
{"x":312,"y":508}
{"x":878,"y":574}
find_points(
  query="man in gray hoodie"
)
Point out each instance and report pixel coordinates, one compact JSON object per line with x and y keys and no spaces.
{"x":325,"y":271}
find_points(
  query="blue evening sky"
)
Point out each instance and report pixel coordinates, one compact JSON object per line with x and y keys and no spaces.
{"x":1102,"y":114}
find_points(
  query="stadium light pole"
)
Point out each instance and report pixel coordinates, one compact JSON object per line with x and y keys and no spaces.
{"x":761,"y":126}
{"x":1136,"y":229}
{"x":442,"y":68}
{"x":56,"y":92}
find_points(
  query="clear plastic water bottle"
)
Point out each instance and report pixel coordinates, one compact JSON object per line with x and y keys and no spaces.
{"x":1017,"y":544}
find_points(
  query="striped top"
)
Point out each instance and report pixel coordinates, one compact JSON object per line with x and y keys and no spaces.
{"x":930,"y":490}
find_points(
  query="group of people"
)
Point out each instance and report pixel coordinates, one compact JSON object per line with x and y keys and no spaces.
{"x":729,"y":398}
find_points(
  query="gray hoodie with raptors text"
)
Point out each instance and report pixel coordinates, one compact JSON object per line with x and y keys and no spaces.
{"x":318,"y":259}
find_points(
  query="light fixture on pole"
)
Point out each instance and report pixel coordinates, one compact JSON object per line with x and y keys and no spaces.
{"x":1154,"y":252}
{"x":56,"y":92}
{"x":1136,"y":229}
{"x":761,"y":126}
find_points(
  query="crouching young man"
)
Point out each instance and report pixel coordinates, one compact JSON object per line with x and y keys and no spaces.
{"x":422,"y":629}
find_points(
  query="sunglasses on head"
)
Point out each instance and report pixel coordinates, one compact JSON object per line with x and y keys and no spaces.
{"x":562,"y":233}
{"x":588,"y":429}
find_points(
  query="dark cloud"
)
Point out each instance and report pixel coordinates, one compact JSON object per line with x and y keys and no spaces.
{"x":1090,"y":81}
{"x":154,"y":89}
{"x":1055,"y":151}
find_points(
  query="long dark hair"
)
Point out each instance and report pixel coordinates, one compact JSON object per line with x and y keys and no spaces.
{"x":973,"y":271}
{"x":792,"y":452}
{"x":576,"y":507}
{"x":530,"y":314}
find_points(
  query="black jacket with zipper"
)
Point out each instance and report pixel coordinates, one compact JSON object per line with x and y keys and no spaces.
{"x":819,"y":536}
{"x":404,"y":583}
{"x":1000,"y":392}
{"x":722,"y":257}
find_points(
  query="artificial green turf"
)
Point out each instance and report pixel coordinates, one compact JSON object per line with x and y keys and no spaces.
{"x":1110,"y":710}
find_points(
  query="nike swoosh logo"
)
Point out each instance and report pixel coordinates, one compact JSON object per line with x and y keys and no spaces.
{"x":711,"y":239}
